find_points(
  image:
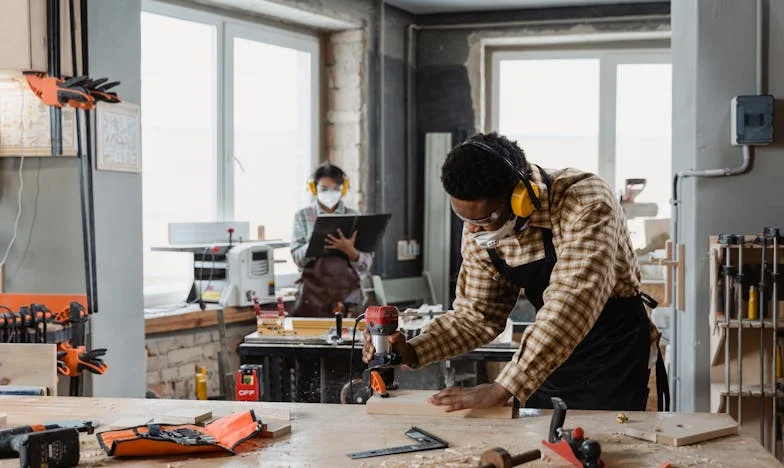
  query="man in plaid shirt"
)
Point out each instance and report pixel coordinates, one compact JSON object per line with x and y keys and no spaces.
{"x":561,"y":237}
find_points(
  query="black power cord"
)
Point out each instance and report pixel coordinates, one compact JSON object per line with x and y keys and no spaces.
{"x":351,"y":357}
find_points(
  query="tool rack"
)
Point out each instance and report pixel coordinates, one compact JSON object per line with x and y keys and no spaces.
{"x":747,"y":320}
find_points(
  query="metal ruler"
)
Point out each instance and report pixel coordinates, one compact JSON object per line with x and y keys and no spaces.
{"x":426,"y":441}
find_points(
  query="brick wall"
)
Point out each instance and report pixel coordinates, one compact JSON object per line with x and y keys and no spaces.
{"x":172,"y":358}
{"x":346,"y":110}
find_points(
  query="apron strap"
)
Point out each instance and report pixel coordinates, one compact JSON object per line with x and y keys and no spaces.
{"x":500,"y":265}
{"x":649,"y":301}
{"x":662,"y":385}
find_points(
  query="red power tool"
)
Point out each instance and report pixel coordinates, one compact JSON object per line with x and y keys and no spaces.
{"x":381,"y":323}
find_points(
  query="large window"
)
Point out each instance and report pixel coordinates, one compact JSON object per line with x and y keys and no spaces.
{"x":600,"y":111}
{"x":230,"y":130}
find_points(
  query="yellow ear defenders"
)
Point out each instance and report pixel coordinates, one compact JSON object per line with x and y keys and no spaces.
{"x":525,"y":196}
{"x":343,"y":187}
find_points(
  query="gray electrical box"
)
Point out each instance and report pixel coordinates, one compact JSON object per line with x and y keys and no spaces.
{"x":751,"y":120}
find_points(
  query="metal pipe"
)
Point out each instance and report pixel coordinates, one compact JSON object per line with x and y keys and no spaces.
{"x":727,"y":299}
{"x":555,"y":22}
{"x":89,"y":163}
{"x":408,"y":96}
{"x":53,"y":56}
{"x":739,"y":312}
{"x":761,"y":304}
{"x":774,"y":318}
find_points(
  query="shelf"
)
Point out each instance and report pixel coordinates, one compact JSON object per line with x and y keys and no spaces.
{"x":749,"y":391}
{"x":751,"y":324}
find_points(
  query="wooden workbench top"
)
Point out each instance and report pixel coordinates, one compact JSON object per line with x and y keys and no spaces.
{"x":323,"y":434}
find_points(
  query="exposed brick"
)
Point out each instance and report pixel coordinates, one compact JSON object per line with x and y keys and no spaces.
{"x":153,"y":378}
{"x":180,"y":390}
{"x":185,"y":355}
{"x":202,"y":338}
{"x":187,"y":371}
{"x":170,"y":374}
{"x":338,"y":117}
{"x":350,"y":35}
{"x":163,"y":390}
{"x":155,"y":363}
{"x":346,"y":135}
{"x":183,"y":341}
{"x":345,"y":99}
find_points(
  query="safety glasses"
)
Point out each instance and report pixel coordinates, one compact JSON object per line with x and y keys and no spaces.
{"x":493,"y":217}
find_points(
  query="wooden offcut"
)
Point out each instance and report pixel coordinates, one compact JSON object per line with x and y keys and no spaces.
{"x":183,"y":416}
{"x":29,"y":365}
{"x":677,"y":429}
{"x":273,"y":430}
{"x":414,"y":402}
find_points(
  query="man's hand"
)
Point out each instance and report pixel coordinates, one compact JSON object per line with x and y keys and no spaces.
{"x":399,"y":345}
{"x":344,"y":244}
{"x":481,"y":396}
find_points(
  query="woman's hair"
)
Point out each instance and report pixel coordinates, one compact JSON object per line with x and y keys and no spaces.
{"x":331,"y":171}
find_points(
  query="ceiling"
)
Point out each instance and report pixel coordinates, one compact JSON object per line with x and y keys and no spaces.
{"x":423,"y":7}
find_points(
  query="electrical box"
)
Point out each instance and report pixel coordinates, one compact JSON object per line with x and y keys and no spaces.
{"x":751,"y":120}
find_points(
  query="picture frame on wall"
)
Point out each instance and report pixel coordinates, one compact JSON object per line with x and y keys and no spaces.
{"x":118,"y":137}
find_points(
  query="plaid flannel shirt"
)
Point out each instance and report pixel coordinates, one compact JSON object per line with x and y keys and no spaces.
{"x":304,"y":221}
{"x":595,"y":261}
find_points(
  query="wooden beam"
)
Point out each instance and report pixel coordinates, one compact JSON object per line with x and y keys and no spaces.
{"x":188,"y":320}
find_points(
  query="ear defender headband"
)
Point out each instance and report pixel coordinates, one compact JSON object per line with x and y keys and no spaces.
{"x":343,"y":187}
{"x":525,"y":196}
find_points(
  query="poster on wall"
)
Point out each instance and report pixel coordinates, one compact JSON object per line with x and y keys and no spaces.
{"x":25,"y":123}
{"x":118,"y":137}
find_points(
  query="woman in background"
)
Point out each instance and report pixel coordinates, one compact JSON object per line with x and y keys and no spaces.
{"x":334,"y":278}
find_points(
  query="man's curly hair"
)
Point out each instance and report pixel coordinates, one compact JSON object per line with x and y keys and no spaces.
{"x":470,"y":173}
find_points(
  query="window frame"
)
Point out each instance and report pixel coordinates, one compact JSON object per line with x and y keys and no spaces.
{"x":609,"y":59}
{"x":227,"y":28}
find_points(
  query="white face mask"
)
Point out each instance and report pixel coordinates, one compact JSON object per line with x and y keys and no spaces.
{"x":329,"y":198}
{"x":490,"y":239}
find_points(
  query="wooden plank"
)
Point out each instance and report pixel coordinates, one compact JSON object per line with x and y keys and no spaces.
{"x":131,"y":421}
{"x":29,"y":365}
{"x":274,"y":430}
{"x":414,"y":402}
{"x":678,"y":429}
{"x":184,"y":416}
{"x":190,"y":319}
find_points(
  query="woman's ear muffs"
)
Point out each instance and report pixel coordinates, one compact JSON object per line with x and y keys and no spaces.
{"x":525,"y":196}
{"x":343,"y":187}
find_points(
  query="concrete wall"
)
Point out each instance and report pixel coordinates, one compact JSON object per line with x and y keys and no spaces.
{"x":48,"y":257}
{"x":115,"y":52}
{"x":450,"y":65}
{"x":709,"y":68}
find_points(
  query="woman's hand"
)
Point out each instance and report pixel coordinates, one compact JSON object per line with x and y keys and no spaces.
{"x":344,"y":244}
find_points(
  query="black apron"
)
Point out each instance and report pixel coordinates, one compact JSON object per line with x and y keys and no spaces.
{"x":608,"y":370}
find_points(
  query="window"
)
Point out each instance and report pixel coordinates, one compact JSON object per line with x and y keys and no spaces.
{"x":226,"y":135}
{"x":605,"y":112}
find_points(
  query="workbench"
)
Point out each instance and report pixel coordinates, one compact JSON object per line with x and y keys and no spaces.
{"x":322,"y":434}
{"x":320,"y":369}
